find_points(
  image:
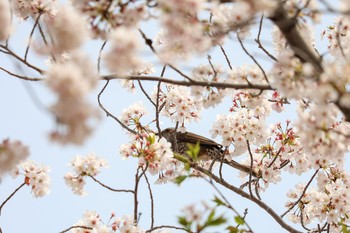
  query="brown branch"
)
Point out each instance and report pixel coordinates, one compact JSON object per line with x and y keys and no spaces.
{"x":254,"y":60}
{"x":74,"y":227}
{"x":109,"y":114}
{"x":109,"y":188}
{"x":187,"y":83}
{"x":152,"y":200}
{"x":226,"y":57}
{"x":11,"y":195}
{"x":99,"y":56}
{"x":258,"y":41}
{"x":21,"y":76}
{"x":288,"y":27}
{"x":167,"y":226}
{"x":302,"y":194}
{"x":31,"y":36}
{"x":10,"y":52}
{"x":243,"y":194}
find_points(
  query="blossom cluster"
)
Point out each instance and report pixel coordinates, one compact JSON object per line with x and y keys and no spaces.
{"x":152,"y":152}
{"x":34,"y":8}
{"x":83,"y":166}
{"x":66,"y":38}
{"x":105,"y":16}
{"x":11,"y":153}
{"x":184,"y":33}
{"x":209,"y":96}
{"x":131,"y":115}
{"x":179,"y":105}
{"x":35,"y":176}
{"x":326,"y":203}
{"x":92,"y":222}
{"x":238,"y":127}
{"x":72,"y":79}
{"x":5,"y":19}
{"x":122,"y":57}
{"x":323,"y":137}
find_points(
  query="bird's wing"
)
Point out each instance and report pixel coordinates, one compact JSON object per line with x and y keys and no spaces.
{"x":194,"y":138}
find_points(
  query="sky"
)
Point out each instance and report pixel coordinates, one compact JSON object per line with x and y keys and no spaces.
{"x":23,"y":119}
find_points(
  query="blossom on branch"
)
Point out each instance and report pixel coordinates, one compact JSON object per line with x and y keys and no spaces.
{"x":11,"y":153}
{"x":179,"y":105}
{"x":89,"y":165}
{"x":35,"y":176}
{"x":5,"y":19}
{"x":122,"y":57}
{"x":67,"y":29}
{"x":152,"y":153}
{"x":72,"y":79}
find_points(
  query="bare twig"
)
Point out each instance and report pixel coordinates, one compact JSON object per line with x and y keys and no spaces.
{"x":11,"y":195}
{"x":243,"y":194}
{"x":253,"y":58}
{"x":99,"y":56}
{"x":109,"y":188}
{"x":258,"y":41}
{"x":226,"y":57}
{"x":152,"y":200}
{"x":167,"y":226}
{"x":75,"y":227}
{"x":187,"y":83}
{"x":31,"y":36}
{"x":302,"y":194}
{"x":109,"y":114}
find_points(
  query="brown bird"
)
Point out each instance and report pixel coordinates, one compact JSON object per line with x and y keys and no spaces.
{"x":209,"y":149}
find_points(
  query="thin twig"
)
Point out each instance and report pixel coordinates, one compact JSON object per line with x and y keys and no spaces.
{"x":13,"y":54}
{"x":226,"y":57}
{"x":243,"y":194}
{"x":258,"y":41}
{"x":251,"y":168}
{"x":167,"y":226}
{"x":152,"y":200}
{"x":302,"y":194}
{"x":109,"y":114}
{"x":187,"y":83}
{"x":75,"y":227}
{"x":109,"y":188}
{"x":21,"y":76}
{"x":99,"y":56}
{"x":145,"y":93}
{"x":31,"y":36}
{"x":11,"y":195}
{"x":253,"y":58}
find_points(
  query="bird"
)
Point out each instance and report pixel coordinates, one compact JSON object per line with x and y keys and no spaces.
{"x":209,"y":149}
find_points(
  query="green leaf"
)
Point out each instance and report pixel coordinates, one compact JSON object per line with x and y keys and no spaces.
{"x":183,"y":221}
{"x":218,"y":221}
{"x":218,"y":201}
{"x":193,"y":150}
{"x":232,"y":229}
{"x":179,"y":179}
{"x":239,"y":220}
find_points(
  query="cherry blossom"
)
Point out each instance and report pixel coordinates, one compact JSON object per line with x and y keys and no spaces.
{"x":184,"y":33}
{"x":72,"y":79}
{"x":33,"y":8}
{"x":11,"y":153}
{"x":83,"y":166}
{"x":35,"y":176}
{"x":5,"y":20}
{"x":122,"y":58}
{"x":179,"y":105}
{"x":152,"y":153}
{"x":67,"y":38}
{"x":133,"y":114}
